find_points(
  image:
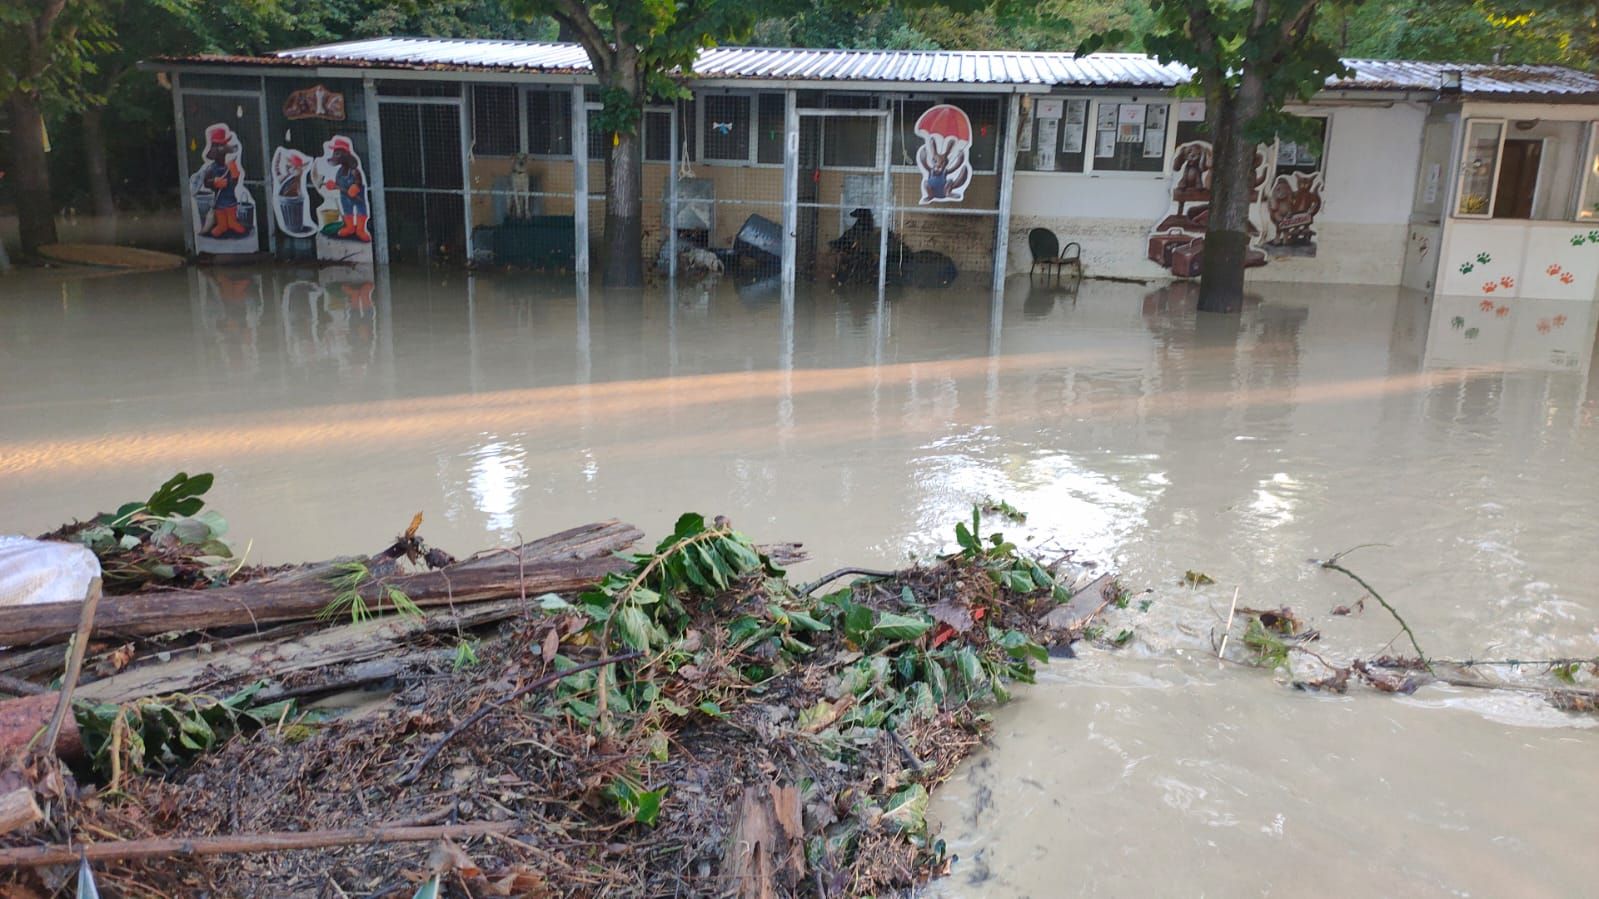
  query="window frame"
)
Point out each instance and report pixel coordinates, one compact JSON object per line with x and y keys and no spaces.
{"x":1460,"y":174}
{"x":563,"y":92}
{"x":1590,"y":174}
{"x":1091,"y":138}
{"x":889,"y":102}
{"x":752,"y":157}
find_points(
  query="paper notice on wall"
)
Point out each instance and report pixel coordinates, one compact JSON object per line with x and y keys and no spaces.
{"x":1191,"y":111}
{"x":1044,"y":160}
{"x":1429,"y":194}
{"x":1071,"y":137}
{"x":1154,"y":144}
{"x":1024,"y":140}
{"x":1157,"y":117}
{"x":1105,"y":144}
{"x":1132,"y":113}
{"x":1076,"y":112}
{"x":1107,"y":117}
{"x":1050,"y":109}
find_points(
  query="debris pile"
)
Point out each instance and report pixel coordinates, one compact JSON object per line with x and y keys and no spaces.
{"x":556,"y":719}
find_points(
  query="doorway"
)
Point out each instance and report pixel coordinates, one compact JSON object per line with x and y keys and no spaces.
{"x":423,"y":178}
{"x":842,"y":197}
{"x":1518,"y":178}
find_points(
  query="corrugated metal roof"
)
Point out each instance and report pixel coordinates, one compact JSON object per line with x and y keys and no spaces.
{"x":976,"y":67}
{"x":1477,"y":79}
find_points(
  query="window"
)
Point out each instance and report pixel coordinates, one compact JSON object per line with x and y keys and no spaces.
{"x":494,"y":121}
{"x":549,"y":123}
{"x":1529,"y":169}
{"x":1056,"y":138}
{"x":727,"y":127}
{"x":1478,"y":168}
{"x":984,"y":113}
{"x":1588,"y":203}
{"x":1303,"y":156}
{"x":599,"y":138}
{"x":657,"y":136}
{"x":850,"y":142}
{"x":770,"y":123}
{"x":1130,"y":137}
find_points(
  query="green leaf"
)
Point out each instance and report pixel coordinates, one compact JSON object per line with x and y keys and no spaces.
{"x":857,"y":622}
{"x":890,"y":626}
{"x":649,"y":806}
{"x":550,"y":602}
{"x":635,"y":627}
{"x":906,"y":811}
{"x":712,"y":709}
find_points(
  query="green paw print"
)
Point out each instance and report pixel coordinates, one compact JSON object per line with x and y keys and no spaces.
{"x":1466,"y":268}
{"x":1484,"y":258}
{"x":1457,"y":322}
{"x":1593,"y":236}
{"x":1578,"y":240}
{"x":1471,"y":333}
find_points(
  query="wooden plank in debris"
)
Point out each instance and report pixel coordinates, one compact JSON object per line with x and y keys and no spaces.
{"x":22,"y":718}
{"x":272,"y":659}
{"x":766,"y":856}
{"x":1086,"y":602}
{"x":573,"y":562}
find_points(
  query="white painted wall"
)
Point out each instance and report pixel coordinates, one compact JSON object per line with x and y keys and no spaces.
{"x":1370,"y":172}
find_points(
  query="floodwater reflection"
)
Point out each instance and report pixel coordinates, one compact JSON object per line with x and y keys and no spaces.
{"x":334,"y":403}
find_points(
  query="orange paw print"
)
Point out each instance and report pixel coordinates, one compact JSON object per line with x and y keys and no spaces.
{"x":1489,"y":287}
{"x":1487,"y":305}
{"x":1507,"y":282}
{"x":1567,"y":277}
{"x":1559,"y":321}
{"x":1502,"y":311}
{"x":1543,"y":326}
{"x":1553,"y":270}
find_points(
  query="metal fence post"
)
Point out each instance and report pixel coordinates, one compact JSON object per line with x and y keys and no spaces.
{"x":376,"y":203}
{"x":186,"y":202}
{"x":791,"y":140}
{"x":671,"y":198}
{"x":465,"y":119}
{"x":1007,"y":189}
{"x":266,"y":221}
{"x":580,"y":183}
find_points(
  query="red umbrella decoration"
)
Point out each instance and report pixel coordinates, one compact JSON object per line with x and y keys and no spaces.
{"x":946,"y":167}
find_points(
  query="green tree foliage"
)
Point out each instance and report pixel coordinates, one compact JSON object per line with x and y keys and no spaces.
{"x":1249,"y":58}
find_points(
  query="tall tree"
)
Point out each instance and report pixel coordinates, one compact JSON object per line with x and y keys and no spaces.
{"x":1249,"y":58}
{"x":636,"y":48}
{"x":45,"y":50}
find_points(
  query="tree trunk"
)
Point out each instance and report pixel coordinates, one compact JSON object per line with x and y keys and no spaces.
{"x":1232,"y":193}
{"x":94,"y":158}
{"x":624,"y":181}
{"x":35,"y":212}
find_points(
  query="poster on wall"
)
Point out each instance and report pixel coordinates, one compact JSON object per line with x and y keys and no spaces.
{"x":1105,"y":144}
{"x":1047,"y":131}
{"x":945,"y":164}
{"x":224,"y":210}
{"x":324,"y":198}
{"x":1154,"y":144}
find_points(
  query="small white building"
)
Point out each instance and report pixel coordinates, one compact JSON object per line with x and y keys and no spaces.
{"x":1463,"y":179}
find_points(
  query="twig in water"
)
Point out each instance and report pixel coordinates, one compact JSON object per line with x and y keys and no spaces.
{"x":1332,"y":565}
{"x":488,"y":709}
{"x":808,"y":589}
{"x":69,"y":680}
{"x":1222,"y":651}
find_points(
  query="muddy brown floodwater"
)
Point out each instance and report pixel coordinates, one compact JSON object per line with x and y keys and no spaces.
{"x":1153,"y":439}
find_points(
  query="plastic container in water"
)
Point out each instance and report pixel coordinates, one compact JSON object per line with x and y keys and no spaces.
{"x":760,"y":236}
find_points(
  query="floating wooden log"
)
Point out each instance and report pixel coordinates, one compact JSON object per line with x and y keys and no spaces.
{"x":563,"y":562}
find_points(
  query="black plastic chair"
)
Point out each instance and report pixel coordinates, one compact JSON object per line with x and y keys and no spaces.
{"x":1047,"y":252}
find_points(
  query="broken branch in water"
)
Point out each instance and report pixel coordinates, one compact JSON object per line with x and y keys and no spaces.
{"x":808,"y":589}
{"x":1332,"y":564}
{"x":36,"y":856}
